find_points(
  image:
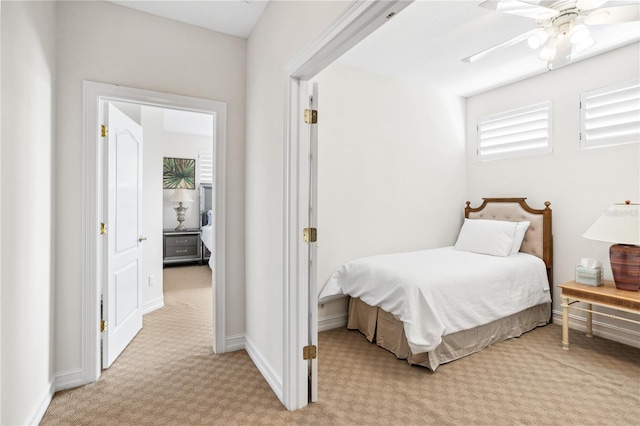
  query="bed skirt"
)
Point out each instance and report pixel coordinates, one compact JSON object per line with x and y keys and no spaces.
{"x":388,"y":332}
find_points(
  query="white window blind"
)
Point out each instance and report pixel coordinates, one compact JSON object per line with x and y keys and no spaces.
{"x":524,"y":131}
{"x":206,"y":167}
{"x":610,"y":115}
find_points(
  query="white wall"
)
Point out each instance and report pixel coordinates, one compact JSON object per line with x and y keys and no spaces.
{"x":391,"y":169}
{"x":28,"y":116}
{"x":580,"y":184}
{"x":103,"y":42}
{"x":282,"y":32}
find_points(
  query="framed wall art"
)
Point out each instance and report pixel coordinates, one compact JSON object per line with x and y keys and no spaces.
{"x":178,"y":173}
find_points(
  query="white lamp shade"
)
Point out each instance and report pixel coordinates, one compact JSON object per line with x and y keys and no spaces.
{"x":619,"y":224}
{"x":181,"y":195}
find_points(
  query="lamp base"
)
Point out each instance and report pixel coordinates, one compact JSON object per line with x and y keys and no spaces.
{"x":625,"y":265}
{"x":180,"y":211}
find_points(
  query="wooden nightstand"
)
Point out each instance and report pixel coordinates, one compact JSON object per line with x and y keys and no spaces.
{"x":181,"y":246}
{"x":607,"y":295}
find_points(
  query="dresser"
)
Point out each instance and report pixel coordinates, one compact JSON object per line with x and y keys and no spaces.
{"x":181,"y":246}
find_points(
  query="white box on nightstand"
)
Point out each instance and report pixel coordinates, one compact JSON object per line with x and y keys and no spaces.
{"x":589,"y":276}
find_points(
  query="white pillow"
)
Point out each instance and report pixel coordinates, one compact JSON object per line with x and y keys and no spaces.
{"x":521,"y":229}
{"x":494,"y":237}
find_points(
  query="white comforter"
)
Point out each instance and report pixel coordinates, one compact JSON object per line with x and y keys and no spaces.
{"x":441,"y":291}
{"x":206,"y":235}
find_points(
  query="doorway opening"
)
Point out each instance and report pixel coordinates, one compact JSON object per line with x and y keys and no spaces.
{"x":300,"y":308}
{"x":96,"y":95}
{"x":176,"y":221}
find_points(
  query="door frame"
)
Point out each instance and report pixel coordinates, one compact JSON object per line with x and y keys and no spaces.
{"x":93,"y":189}
{"x":358,"y":20}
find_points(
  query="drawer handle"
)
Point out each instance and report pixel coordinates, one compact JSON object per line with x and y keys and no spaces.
{"x":181,"y":251}
{"x":181,"y":241}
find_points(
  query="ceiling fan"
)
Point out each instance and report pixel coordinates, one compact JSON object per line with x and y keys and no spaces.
{"x":563,"y":25}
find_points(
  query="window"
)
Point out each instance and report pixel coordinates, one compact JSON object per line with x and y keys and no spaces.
{"x":610,"y":116}
{"x":206,"y":167}
{"x":524,"y":131}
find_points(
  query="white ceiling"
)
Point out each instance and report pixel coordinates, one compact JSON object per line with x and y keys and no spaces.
{"x":424,"y":43}
{"x":234,"y":17}
{"x":188,"y":122}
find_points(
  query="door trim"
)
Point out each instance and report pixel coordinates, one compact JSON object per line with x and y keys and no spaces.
{"x":357,"y":21}
{"x":92,"y":255}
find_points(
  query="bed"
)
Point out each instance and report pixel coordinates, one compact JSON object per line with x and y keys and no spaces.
{"x":434,"y":306}
{"x":206,"y":223}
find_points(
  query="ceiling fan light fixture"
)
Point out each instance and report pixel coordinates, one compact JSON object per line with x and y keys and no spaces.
{"x":537,"y":38}
{"x":548,"y":52}
{"x":578,"y":34}
{"x":581,"y":47}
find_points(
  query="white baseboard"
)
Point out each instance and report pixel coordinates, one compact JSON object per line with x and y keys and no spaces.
{"x":265,"y":369}
{"x":234,"y":343}
{"x":153,"y":305}
{"x":45,"y":400}
{"x":68,"y":379}
{"x":332,"y":321}
{"x":601,"y":329}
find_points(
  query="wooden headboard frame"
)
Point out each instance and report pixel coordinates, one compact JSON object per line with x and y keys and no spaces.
{"x":538,"y":240}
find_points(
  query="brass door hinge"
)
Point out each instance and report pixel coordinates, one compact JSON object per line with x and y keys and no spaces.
{"x":310,"y":235}
{"x":103,"y":228}
{"x":104,"y":130}
{"x":310,"y":116}
{"x":309,"y":352}
{"x":103,"y":326}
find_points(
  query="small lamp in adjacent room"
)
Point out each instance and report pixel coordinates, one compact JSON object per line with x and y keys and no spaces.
{"x":620,"y":224}
{"x":181,"y":196}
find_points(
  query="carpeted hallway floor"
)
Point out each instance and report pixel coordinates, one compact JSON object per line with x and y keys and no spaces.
{"x":169,"y":376}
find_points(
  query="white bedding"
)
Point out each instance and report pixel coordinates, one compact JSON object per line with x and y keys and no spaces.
{"x":441,"y":291}
{"x":206,"y":235}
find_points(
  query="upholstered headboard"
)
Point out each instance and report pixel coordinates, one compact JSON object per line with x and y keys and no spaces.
{"x":538,"y":240}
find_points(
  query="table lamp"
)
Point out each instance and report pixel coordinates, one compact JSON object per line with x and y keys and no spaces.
{"x":181,"y":196}
{"x":620,"y":224}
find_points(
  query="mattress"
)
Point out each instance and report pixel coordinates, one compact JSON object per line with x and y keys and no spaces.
{"x":206,"y":235}
{"x":440,"y":292}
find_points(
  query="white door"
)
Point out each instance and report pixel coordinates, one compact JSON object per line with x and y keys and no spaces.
{"x":313,"y":219}
{"x":121,"y":288}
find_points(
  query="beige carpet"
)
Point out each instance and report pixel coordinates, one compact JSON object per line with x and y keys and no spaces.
{"x":168,"y":375}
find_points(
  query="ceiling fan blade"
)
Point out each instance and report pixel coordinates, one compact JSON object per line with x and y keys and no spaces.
{"x":614,"y":15}
{"x":589,"y":4}
{"x":497,"y":47}
{"x":521,"y":8}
